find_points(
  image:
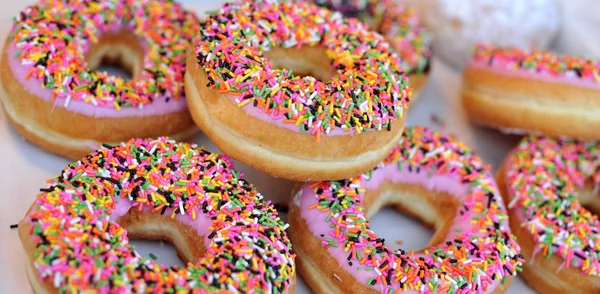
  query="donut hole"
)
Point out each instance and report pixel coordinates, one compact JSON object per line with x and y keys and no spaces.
{"x":434,"y":210}
{"x":149,"y":229}
{"x":302,"y":62}
{"x":160,"y":251}
{"x":117,"y":53}
{"x":411,"y":234}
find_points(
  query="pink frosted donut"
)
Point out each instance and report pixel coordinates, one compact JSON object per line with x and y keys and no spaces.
{"x":433,"y":178}
{"x":549,"y":185}
{"x":53,"y":95}
{"x":76,"y":234}
{"x":533,"y":92}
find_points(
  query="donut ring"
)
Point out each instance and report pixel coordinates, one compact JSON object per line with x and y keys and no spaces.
{"x":533,"y":92}
{"x":435,"y":179}
{"x":76,"y":234}
{"x":54,"y":97}
{"x":546,"y":182}
{"x":401,"y":25}
{"x":300,"y":128}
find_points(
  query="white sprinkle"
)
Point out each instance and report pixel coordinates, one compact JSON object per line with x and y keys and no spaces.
{"x":513,"y":202}
{"x":337,"y":277}
{"x":231,"y":288}
{"x":97,"y":276}
{"x":67,"y":101}
{"x":57,"y":279}
{"x":89,"y":206}
{"x":181,"y":211}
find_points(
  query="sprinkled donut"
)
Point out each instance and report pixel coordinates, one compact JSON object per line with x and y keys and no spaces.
{"x":76,"y":234}
{"x":401,"y":25}
{"x":546,"y":183}
{"x":53,"y":95}
{"x":314,"y":94}
{"x":533,"y":92}
{"x":435,"y":179}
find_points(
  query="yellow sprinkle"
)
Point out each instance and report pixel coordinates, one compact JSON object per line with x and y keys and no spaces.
{"x":243,"y":103}
{"x":116,"y":105}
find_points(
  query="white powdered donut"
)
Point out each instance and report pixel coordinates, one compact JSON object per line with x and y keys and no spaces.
{"x":459,"y":24}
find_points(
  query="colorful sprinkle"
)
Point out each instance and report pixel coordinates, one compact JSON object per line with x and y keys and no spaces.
{"x":367,"y":90}
{"x":544,"y":62}
{"x":52,"y":37}
{"x":396,"y":21}
{"x":79,"y":247}
{"x":474,"y":259}
{"x":543,"y":178}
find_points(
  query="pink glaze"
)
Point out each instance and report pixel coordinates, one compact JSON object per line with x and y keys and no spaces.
{"x":201,"y":224}
{"x":508,"y":68}
{"x":157,"y":107}
{"x":317,"y":224}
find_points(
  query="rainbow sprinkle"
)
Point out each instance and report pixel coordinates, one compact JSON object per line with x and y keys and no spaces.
{"x":367,"y":90}
{"x":544,"y":176}
{"x":473,"y":261}
{"x":79,"y":247}
{"x":545,"y":62}
{"x":395,"y":20}
{"x":52,"y":37}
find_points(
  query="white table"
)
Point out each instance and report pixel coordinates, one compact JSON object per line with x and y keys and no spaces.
{"x":26,"y":167}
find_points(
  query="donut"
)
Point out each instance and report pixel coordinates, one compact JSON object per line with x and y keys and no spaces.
{"x":535,"y":92}
{"x":457,"y":25}
{"x":401,"y":25}
{"x":295,"y":90}
{"x":76,"y":234}
{"x":546,"y":183}
{"x":56,"y":99}
{"x":433,"y":178}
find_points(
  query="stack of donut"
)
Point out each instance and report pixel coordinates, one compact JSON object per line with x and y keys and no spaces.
{"x":551,"y":180}
{"x":305,"y":93}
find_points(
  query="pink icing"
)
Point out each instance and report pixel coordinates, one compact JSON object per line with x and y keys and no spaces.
{"x":157,"y":107}
{"x":201,"y":224}
{"x":316,"y":219}
{"x":507,"y":68}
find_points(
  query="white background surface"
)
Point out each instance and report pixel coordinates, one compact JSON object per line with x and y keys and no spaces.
{"x":24,"y":168}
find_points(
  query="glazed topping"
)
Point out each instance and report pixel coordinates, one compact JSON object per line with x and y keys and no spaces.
{"x":52,"y":37}
{"x":395,"y":20}
{"x":367,"y":90}
{"x":79,"y":247}
{"x":473,"y":258}
{"x":544,"y":177}
{"x":542,"y":62}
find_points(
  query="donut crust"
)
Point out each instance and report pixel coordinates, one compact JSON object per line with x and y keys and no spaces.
{"x":527,"y":105}
{"x":278,"y":151}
